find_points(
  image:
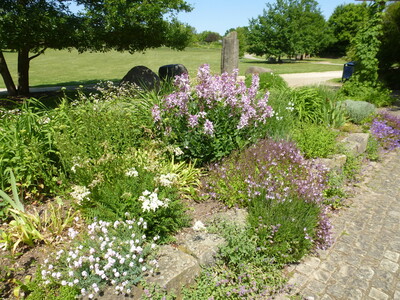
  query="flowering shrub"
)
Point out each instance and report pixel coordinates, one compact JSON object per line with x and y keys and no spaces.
{"x":114,"y":253}
{"x":386,"y":129}
{"x":280,"y":187}
{"x":214,"y":117}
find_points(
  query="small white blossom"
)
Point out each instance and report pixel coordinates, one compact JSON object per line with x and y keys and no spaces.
{"x":132,"y":173}
{"x":198,"y":226}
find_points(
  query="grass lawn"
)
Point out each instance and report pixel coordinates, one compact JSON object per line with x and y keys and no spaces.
{"x":71,"y":68}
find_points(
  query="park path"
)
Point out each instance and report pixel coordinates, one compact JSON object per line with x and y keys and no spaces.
{"x":312,"y":78}
{"x":363,"y":262}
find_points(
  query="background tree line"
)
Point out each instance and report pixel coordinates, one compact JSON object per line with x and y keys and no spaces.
{"x":285,"y":28}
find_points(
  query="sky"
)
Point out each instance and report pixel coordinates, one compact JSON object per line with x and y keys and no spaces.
{"x":221,"y":15}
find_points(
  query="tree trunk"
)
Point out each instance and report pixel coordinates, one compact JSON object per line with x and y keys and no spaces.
{"x":5,"y":73}
{"x":23,"y":71}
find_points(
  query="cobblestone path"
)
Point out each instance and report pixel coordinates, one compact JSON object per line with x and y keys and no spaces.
{"x":363,"y":262}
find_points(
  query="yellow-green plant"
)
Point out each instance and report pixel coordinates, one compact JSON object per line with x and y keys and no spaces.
{"x":28,"y":228}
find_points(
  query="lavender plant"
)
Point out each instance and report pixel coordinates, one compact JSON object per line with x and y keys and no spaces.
{"x":214,"y":117}
{"x":113,"y":253}
{"x":386,"y":129}
{"x":273,"y":179}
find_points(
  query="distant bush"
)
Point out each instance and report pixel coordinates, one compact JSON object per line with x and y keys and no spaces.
{"x":269,"y":81}
{"x":357,"y":111}
{"x":377,"y":95}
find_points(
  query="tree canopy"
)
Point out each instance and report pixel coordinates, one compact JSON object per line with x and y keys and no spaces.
{"x":345,"y":21}
{"x":389,"y":53}
{"x":29,"y":27}
{"x":288,"y":27}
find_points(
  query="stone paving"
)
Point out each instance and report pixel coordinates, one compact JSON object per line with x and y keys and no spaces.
{"x":363,"y":262}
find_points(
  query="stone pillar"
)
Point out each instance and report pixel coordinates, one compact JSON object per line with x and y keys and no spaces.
{"x":230,"y":53}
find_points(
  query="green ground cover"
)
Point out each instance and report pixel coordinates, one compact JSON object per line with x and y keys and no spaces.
{"x":70,"y":68}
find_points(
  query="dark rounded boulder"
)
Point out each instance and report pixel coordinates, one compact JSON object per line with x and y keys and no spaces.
{"x":142,"y":77}
{"x":168,"y":72}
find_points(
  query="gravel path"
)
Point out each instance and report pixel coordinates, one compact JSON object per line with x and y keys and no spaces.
{"x":363,"y":262}
{"x":301,"y":79}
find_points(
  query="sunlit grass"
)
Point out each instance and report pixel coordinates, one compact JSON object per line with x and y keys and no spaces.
{"x":62,"y":68}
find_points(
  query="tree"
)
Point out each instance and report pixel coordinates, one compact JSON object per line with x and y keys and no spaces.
{"x":209,"y":36}
{"x":288,"y":27}
{"x":389,"y":53}
{"x":32,"y":26}
{"x":344,"y":22}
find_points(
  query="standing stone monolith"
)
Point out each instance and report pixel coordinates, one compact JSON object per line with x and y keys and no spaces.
{"x":230,"y":53}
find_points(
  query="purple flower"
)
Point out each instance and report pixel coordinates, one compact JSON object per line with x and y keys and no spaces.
{"x":156,"y":113}
{"x":193,"y":121}
{"x":208,"y":127}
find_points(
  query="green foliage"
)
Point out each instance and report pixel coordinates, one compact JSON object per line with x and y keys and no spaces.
{"x":281,"y":124}
{"x":242,"y":270}
{"x":29,"y":228}
{"x":372,"y":151}
{"x":358,"y":111}
{"x":269,"y":81}
{"x":373,"y":93}
{"x":318,"y":105}
{"x":345,"y":21}
{"x":315,"y":140}
{"x":111,"y":122}
{"x":285,"y":229}
{"x":27,"y":147}
{"x":288,"y":26}
{"x":352,"y":167}
{"x":364,"y":83}
{"x":37,"y":292}
{"x":389,"y":53}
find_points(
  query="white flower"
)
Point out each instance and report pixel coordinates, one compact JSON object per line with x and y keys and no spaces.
{"x":151,"y":202}
{"x":132,"y":173}
{"x":178,"y":151}
{"x":80,"y":193}
{"x":198,"y":226}
{"x":167,"y":180}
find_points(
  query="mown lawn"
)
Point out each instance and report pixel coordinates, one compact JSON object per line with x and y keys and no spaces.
{"x":71,"y":68}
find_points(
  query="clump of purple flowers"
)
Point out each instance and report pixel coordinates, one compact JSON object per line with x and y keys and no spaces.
{"x":386,"y":129}
{"x":213,"y":92}
{"x":217,"y":107}
{"x":271,"y":171}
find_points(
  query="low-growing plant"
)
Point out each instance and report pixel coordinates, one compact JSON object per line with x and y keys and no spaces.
{"x":286,"y":229}
{"x":358,"y":111}
{"x":116,"y":253}
{"x":214,"y":117}
{"x":272,"y":173}
{"x":242,"y":271}
{"x":385,"y":128}
{"x":315,"y":140}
